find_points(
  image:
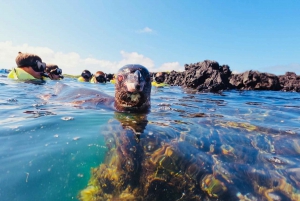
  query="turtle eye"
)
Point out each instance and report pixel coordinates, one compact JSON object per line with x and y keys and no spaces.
{"x":120,"y":78}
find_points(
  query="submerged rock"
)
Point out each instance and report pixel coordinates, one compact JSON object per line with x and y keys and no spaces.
{"x":220,"y":160}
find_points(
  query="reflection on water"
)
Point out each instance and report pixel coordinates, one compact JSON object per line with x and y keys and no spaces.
{"x":230,"y":146}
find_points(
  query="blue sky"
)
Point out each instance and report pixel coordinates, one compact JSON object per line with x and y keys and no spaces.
{"x":162,"y":35}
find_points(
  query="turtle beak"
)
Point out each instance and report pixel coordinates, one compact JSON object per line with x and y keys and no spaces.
{"x":135,"y":82}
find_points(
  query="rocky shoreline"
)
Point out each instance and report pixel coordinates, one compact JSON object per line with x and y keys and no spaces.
{"x":209,"y":76}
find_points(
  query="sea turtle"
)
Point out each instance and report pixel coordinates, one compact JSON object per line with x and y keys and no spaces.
{"x":132,"y":92}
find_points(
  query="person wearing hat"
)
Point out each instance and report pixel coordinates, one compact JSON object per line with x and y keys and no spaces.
{"x":54,"y":72}
{"x":99,"y":77}
{"x":86,"y":76}
{"x":30,"y":67}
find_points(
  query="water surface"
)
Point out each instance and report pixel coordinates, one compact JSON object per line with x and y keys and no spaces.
{"x":47,"y":149}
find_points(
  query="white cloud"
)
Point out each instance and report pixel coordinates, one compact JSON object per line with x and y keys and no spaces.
{"x":282,"y":69}
{"x":235,"y":72}
{"x":169,"y":67}
{"x":145,"y":30}
{"x":73,"y":63}
{"x":135,"y":58}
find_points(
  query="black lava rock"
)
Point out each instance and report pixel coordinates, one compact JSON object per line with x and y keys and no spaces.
{"x":209,"y":76}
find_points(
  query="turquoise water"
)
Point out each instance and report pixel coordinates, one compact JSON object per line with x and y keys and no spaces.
{"x":48,"y":148}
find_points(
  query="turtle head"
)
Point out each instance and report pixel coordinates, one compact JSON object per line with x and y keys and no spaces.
{"x":132,"y":89}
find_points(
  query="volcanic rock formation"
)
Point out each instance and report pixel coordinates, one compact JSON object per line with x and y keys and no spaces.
{"x":209,"y":76}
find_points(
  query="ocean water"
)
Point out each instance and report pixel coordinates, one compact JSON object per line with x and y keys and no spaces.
{"x":47,"y":149}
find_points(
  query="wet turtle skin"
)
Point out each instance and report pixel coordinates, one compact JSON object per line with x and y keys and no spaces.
{"x":132,"y":89}
{"x":182,"y":162}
